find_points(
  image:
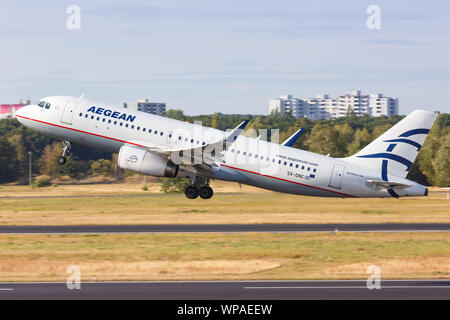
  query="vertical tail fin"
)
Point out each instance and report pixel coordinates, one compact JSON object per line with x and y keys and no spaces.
{"x":395,"y":150}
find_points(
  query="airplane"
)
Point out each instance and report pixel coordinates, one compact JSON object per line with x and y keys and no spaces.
{"x":163,"y":147}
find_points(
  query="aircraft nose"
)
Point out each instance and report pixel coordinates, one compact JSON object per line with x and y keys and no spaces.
{"x":21,"y":114}
{"x":20,"y":111}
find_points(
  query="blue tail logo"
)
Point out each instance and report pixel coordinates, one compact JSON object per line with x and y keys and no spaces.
{"x":388,"y":155}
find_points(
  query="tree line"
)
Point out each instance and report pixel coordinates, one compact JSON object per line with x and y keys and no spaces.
{"x":339,"y":138}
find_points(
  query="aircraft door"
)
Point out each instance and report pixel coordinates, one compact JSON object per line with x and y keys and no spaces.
{"x":68,"y":112}
{"x":336,"y":176}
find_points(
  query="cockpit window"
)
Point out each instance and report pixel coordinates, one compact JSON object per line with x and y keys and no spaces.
{"x":44,"y":104}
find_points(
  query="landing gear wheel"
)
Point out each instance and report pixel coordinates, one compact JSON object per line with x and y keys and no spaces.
{"x":191,"y":192}
{"x":61,"y":160}
{"x":66,"y":150}
{"x":206,"y":192}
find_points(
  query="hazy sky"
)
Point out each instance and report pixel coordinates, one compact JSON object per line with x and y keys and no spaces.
{"x":229,"y":56}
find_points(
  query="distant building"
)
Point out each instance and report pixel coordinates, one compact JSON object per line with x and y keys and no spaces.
{"x":325,"y":107}
{"x":158,"y":108}
{"x":8,"y":111}
{"x":288,"y":103}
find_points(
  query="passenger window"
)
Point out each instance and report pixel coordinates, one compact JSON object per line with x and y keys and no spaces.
{"x":92,"y":117}
{"x":296,"y":166}
{"x":121,"y":124}
{"x":290,"y":165}
{"x":81,"y":114}
{"x":161,"y":133}
{"x":126,"y":125}
{"x":244,"y":153}
{"x":156,"y":131}
{"x":132,"y":126}
{"x":314,"y":170}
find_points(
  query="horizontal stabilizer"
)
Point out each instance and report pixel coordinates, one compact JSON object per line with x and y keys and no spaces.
{"x":289,"y":142}
{"x":381,"y":184}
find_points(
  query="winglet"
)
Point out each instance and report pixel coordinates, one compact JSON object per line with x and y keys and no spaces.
{"x":233,"y":134}
{"x":243,"y":124}
{"x":289,"y":142}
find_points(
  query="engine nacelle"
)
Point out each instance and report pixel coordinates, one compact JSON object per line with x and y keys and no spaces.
{"x":139,"y":160}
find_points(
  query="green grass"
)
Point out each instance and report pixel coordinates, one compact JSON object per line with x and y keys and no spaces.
{"x":282,"y":256}
{"x":264,"y":207}
{"x":218,"y":256}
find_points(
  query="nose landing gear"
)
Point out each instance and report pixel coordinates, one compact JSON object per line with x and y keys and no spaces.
{"x":199,"y":188}
{"x":66,"y":150}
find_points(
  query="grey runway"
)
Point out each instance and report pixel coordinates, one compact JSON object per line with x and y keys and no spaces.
{"x":231,"y":290}
{"x":227,"y":228}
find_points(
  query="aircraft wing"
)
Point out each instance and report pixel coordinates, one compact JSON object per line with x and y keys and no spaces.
{"x":195,"y":155}
{"x":381,"y":184}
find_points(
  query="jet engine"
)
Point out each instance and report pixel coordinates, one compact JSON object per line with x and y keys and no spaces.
{"x":142,"y":161}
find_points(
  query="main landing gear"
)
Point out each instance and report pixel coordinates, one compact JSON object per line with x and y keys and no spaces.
{"x":66,"y":150}
{"x":199,"y":188}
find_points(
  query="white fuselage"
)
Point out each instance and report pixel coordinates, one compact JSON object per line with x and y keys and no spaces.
{"x":270,"y":166}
